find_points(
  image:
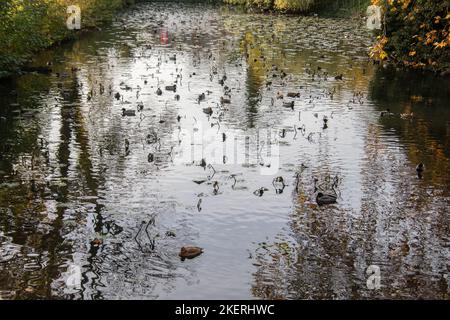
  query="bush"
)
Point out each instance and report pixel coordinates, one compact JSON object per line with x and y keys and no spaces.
{"x":278,"y":5}
{"x":416,"y":34}
{"x":27,"y":26}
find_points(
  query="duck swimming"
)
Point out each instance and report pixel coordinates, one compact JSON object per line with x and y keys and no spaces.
{"x":190,"y":252}
{"x":171,"y":88}
{"x":293,"y":94}
{"x":324,"y":199}
{"x":224,"y":100}
{"x":201,"y":97}
{"x":208,"y":111}
{"x":289,"y":105}
{"x":159,"y":92}
{"x":419,"y":169}
{"x":128,"y":113}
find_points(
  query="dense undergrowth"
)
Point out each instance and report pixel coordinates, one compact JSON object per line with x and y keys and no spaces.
{"x":416,"y":34}
{"x":27,"y":26}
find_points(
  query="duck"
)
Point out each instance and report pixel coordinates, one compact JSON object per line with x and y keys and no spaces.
{"x":159,"y":91}
{"x":293,"y":94}
{"x":201,"y":97}
{"x":420,"y":167}
{"x":224,"y":100}
{"x":190,"y":252}
{"x":96,"y":242}
{"x":117,"y":96}
{"x":324,"y":199}
{"x":339,"y":77}
{"x":171,"y":88}
{"x":128,"y":113}
{"x":289,"y":104}
{"x":208,"y":111}
{"x":387,"y":112}
{"x":325,"y":123}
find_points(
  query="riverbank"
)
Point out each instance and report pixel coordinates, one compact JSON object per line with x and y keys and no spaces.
{"x":327,"y":7}
{"x":30,"y":26}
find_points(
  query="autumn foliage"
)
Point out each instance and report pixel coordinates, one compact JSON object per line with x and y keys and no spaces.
{"x":415,"y":34}
{"x":27,"y":26}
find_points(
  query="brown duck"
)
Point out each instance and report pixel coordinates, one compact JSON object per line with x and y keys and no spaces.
{"x":190,"y":252}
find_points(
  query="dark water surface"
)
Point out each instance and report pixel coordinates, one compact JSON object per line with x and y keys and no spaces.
{"x":118,"y":196}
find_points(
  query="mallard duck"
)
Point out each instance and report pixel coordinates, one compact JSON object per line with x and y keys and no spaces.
{"x":289,"y":104}
{"x":420,"y":167}
{"x":171,"y":234}
{"x":208,"y":111}
{"x":159,"y":91}
{"x":293,"y":94}
{"x":323,"y":199}
{"x":224,"y":100}
{"x":128,"y":113}
{"x":190,"y":252}
{"x":201,"y":97}
{"x":171,"y":88}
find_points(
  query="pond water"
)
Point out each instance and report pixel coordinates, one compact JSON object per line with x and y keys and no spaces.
{"x":84,"y":187}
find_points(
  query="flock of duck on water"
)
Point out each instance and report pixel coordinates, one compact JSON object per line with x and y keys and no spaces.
{"x":323,"y":196}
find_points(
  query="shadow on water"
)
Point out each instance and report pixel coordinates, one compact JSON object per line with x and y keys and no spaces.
{"x":83,"y":185}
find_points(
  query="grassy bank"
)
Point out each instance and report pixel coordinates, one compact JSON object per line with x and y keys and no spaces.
{"x":335,"y":7}
{"x":27,"y":26}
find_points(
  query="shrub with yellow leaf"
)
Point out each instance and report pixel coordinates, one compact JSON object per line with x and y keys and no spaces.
{"x":416,"y":34}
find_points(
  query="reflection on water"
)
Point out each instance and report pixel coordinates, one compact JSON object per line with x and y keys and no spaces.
{"x":83,"y":185}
